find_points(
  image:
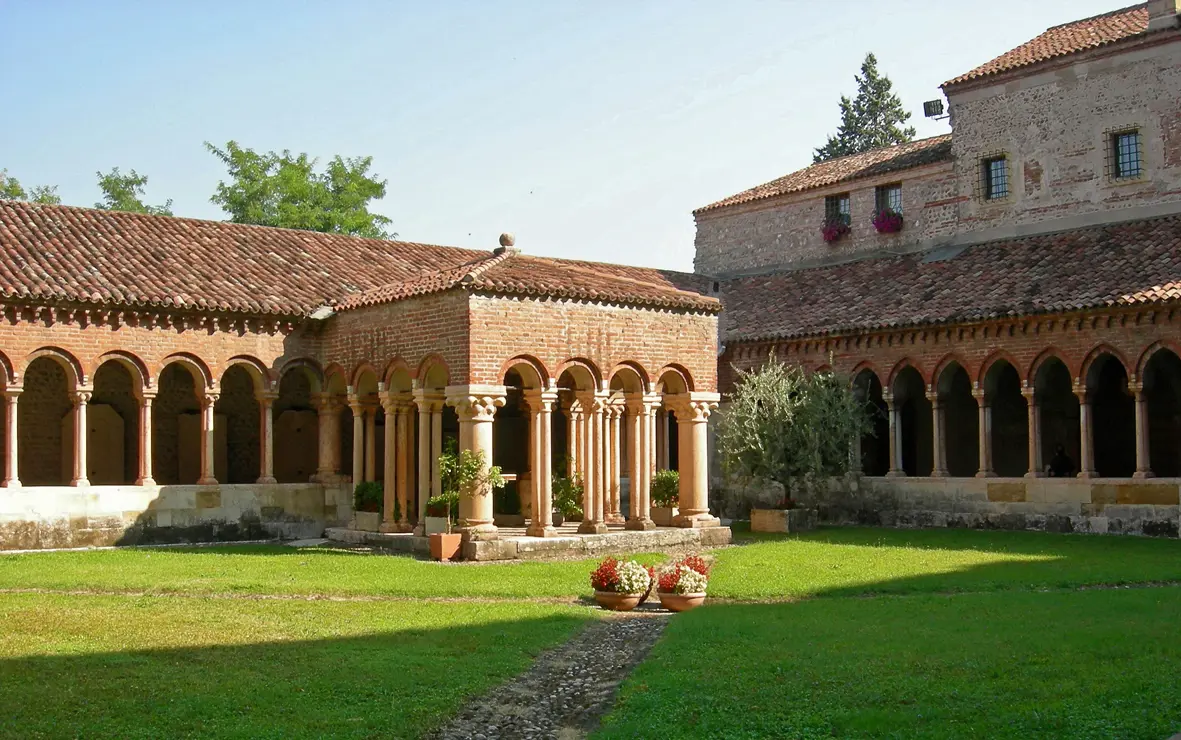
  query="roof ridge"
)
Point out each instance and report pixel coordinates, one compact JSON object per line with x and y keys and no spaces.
{"x":574,"y":265}
{"x":1097,"y":16}
{"x":482,"y":265}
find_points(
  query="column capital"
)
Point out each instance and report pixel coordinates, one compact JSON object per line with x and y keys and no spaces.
{"x":12,"y":392}
{"x":693,"y":408}
{"x":81,"y":395}
{"x":396,"y":401}
{"x":539,"y":400}
{"x":978,"y":394}
{"x":1136,"y":386}
{"x":476,"y":402}
{"x":210,"y":397}
{"x":932,"y":396}
{"x":1030,"y":393}
{"x":266,"y":397}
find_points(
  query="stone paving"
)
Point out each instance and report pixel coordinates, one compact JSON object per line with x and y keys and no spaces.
{"x":568,"y":689}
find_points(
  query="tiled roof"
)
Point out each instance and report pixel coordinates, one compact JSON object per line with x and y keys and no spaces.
{"x":1069,"y":38}
{"x":853,"y":167}
{"x":1116,"y":264}
{"x":63,"y":253}
{"x":508,"y":272}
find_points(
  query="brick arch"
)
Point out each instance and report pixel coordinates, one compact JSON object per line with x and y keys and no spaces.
{"x":580,"y":362}
{"x":392,"y":370}
{"x":335,"y":374}
{"x":1151,"y":350}
{"x":359,"y":373}
{"x":6,"y":366}
{"x":635,"y":369}
{"x":536,"y":366}
{"x":130,"y":362}
{"x":308,"y":365}
{"x":195,"y":365}
{"x":74,"y":373}
{"x":1047,"y":354}
{"x":901,"y":365}
{"x":430,"y":362}
{"x":679,"y":370}
{"x":942,"y":366}
{"x":259,"y":373}
{"x":991,"y":360}
{"x":1095,"y":353}
{"x":864,"y":366}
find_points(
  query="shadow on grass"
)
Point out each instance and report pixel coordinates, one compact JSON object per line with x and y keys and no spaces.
{"x":395,"y":682}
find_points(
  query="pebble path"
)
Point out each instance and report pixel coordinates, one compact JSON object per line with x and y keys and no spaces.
{"x":568,"y":688}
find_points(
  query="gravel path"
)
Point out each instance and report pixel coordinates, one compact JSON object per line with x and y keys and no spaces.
{"x":567,"y":689}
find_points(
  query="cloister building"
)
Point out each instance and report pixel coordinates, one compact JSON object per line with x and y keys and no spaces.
{"x":170,"y":378}
{"x":1017,"y":330}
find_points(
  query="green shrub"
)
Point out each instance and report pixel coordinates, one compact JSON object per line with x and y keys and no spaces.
{"x":666,"y":489}
{"x":568,"y":497}
{"x":368,"y":496}
{"x":508,"y":499}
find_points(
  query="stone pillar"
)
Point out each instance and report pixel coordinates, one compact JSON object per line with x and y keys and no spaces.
{"x":541,"y":404}
{"x":425,"y":403}
{"x":895,"y":434}
{"x":437,"y":445}
{"x":594,"y":481}
{"x":358,"y":410}
{"x":1033,"y":415}
{"x":693,"y":410}
{"x":984,"y":435}
{"x":404,"y":425}
{"x":573,"y":442}
{"x":329,"y":439}
{"x":11,"y":474}
{"x":938,"y":436}
{"x":144,"y":478}
{"x":266,"y":436}
{"x":664,"y":435}
{"x":614,"y":416}
{"x":390,"y":492}
{"x":208,"y":478}
{"x":1086,"y":468}
{"x":476,"y":407}
{"x":1143,"y":466}
{"x":370,"y":442}
{"x":80,"y":398}
{"x":641,"y":457}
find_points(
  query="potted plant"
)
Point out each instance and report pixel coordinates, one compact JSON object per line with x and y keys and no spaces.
{"x":458,"y":472}
{"x":368,"y":497}
{"x":621,"y":586}
{"x":834,"y":230}
{"x":666,"y":492}
{"x":681,"y":585}
{"x":887,"y":221}
{"x":567,"y":500}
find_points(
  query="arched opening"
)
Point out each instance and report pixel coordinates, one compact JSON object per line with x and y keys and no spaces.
{"x":875,"y":445}
{"x":576,"y":388}
{"x":368,"y":438}
{"x":237,"y":417}
{"x":1162,"y":390}
{"x":45,"y":423}
{"x":112,"y":446}
{"x":512,"y":444}
{"x":627,"y":389}
{"x":668,"y":436}
{"x":1010,"y":422}
{"x":914,"y":418}
{"x":296,"y":427}
{"x":176,"y":427}
{"x":1113,"y":426}
{"x":1058,"y":418}
{"x":961,"y":422}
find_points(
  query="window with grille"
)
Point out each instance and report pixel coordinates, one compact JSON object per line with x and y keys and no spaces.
{"x":836,"y":208}
{"x":1124,"y":154}
{"x":888,"y":198}
{"x":994,"y":177}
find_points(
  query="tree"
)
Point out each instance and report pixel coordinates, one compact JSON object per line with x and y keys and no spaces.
{"x":279,"y":189}
{"x":11,"y":189}
{"x":125,"y":192}
{"x":871,"y":120}
{"x":789,"y":426}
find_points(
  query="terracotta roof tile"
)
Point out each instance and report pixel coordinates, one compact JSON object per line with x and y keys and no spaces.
{"x":1116,"y":264}
{"x":1068,"y":38}
{"x":856,"y":166}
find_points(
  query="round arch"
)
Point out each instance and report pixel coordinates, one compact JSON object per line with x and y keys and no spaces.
{"x":398,"y":376}
{"x":137,"y":368}
{"x":583,"y":371}
{"x":680,"y":379}
{"x":306,"y":365}
{"x":433,"y":372}
{"x":629,"y":377}
{"x":900,"y":367}
{"x":365,"y":378}
{"x":335,"y":380}
{"x":73,"y":369}
{"x":531,"y":371}
{"x":191,"y":363}
{"x":9,"y":376}
{"x":258,"y":372}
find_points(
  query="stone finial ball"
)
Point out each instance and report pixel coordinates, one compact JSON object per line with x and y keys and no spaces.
{"x":507,"y":240}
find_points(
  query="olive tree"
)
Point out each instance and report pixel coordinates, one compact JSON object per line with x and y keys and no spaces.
{"x":789,"y":426}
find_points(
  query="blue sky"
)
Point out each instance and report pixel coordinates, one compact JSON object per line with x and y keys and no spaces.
{"x":589,"y":129}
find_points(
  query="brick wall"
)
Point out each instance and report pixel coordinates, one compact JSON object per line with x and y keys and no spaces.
{"x":556,"y":331}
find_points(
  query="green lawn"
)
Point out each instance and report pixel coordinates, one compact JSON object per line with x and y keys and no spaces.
{"x":840,"y":633}
{"x":152,"y":667}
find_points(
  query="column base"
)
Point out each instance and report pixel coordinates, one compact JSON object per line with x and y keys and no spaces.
{"x":1087,"y":474}
{"x":80,"y":482}
{"x":1142,"y":474}
{"x":478,"y":532}
{"x":149,"y":481}
{"x":986,"y":474}
{"x":896,"y":474}
{"x":696,"y":521}
{"x":266,"y":480}
{"x":207,"y":481}
{"x":395,"y":527}
{"x":588,"y":527}
{"x":640,"y":525}
{"x":615,"y":519}
{"x":419,"y":529}
{"x":12,"y":483}
{"x":940,"y":474}
{"x":1035,"y":475}
{"x":540,"y":531}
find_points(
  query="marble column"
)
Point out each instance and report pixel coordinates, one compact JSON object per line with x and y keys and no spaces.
{"x":938,"y":436}
{"x":573,"y":443}
{"x":476,"y":408}
{"x":145,"y":398}
{"x":593,"y":478}
{"x":266,"y":435}
{"x":80,"y":398}
{"x":613,"y":418}
{"x":390,"y":492}
{"x":326,"y":416}
{"x":370,"y":442}
{"x":425,"y":403}
{"x":1033,"y":416}
{"x":984,"y":434}
{"x":437,"y":446}
{"x":693,"y":411}
{"x":1143,"y":464}
{"x":1086,"y":438}
{"x":11,"y":473}
{"x":895,"y":434}
{"x":641,"y":456}
{"x":541,"y":404}
{"x":208,"y":477}
{"x":404,"y":425}
{"x":358,"y":410}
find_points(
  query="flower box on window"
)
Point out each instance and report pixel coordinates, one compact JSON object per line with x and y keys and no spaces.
{"x":887,"y":222}
{"x":834,"y":230}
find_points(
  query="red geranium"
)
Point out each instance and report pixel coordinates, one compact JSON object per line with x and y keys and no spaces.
{"x":606,"y":576}
{"x":697,"y":563}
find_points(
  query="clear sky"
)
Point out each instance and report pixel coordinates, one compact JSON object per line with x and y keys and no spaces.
{"x":590,"y":129}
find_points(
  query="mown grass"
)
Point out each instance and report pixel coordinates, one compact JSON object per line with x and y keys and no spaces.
{"x":151,"y":667}
{"x":1081,"y":665}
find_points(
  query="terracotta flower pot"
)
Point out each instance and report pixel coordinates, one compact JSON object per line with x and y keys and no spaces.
{"x":680,"y":602}
{"x":444,"y":546}
{"x":618,"y":602}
